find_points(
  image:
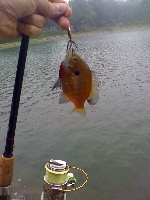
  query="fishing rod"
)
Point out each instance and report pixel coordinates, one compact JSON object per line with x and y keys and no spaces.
{"x":7,"y":159}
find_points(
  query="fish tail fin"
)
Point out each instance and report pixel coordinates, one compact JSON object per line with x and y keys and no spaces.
{"x":81,"y":111}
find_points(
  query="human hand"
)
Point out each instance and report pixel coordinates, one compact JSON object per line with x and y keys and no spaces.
{"x":29,"y":17}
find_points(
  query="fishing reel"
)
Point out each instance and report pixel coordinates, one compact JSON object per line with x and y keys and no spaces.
{"x":5,"y":193}
{"x":58,"y":180}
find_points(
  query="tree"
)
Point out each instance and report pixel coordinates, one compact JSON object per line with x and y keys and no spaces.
{"x":107,"y":13}
{"x":83,"y":14}
{"x":144,"y":10}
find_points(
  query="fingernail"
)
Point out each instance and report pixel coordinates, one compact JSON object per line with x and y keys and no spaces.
{"x":61,"y":7}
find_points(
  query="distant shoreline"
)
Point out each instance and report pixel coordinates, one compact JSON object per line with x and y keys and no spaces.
{"x":45,"y":38}
{"x":32,"y":41}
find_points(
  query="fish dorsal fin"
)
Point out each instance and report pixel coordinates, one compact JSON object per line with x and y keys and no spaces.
{"x":63,"y":98}
{"x":57,"y":84}
{"x":94,"y":95}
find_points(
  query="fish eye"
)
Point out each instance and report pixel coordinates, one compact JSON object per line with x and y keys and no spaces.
{"x":77,"y":73}
{"x":75,"y":59}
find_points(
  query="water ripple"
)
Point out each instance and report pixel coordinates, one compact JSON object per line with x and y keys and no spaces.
{"x":118,"y":125}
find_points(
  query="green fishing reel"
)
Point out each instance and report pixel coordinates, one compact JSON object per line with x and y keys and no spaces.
{"x":58,"y":180}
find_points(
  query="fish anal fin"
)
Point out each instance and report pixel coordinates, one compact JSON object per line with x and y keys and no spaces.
{"x":63,"y":98}
{"x":57,"y":84}
{"x":94,"y":95}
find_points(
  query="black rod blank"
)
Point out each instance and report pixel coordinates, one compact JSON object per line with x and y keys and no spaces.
{"x":16,"y":97}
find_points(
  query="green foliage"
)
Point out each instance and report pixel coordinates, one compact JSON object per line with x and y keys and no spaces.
{"x":82,"y":14}
{"x":144,"y":10}
{"x":107,"y":13}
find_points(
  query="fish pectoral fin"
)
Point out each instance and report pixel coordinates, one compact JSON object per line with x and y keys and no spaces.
{"x":93,"y":100}
{"x":94,"y":95}
{"x":63,"y":98}
{"x":57,"y":84}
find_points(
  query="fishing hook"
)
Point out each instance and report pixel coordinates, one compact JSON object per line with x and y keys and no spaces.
{"x":70,"y":42}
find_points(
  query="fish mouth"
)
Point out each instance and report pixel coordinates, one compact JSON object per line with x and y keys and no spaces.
{"x":69,"y":54}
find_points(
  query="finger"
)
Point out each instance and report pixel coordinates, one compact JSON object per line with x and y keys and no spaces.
{"x":20,"y":8}
{"x":62,"y":22}
{"x":8,"y":28}
{"x":35,"y":20}
{"x":30,"y":30}
{"x":49,"y":9}
{"x":68,"y":12}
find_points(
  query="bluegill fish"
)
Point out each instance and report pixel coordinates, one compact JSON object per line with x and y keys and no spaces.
{"x":78,"y":82}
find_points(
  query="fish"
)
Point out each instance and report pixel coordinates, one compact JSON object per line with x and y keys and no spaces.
{"x":79,"y":84}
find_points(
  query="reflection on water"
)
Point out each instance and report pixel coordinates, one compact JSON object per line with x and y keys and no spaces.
{"x":111,"y":143}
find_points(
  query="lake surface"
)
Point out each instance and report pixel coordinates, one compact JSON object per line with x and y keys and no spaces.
{"x":112,"y":143}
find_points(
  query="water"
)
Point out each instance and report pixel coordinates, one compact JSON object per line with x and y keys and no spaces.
{"x":111,"y":143}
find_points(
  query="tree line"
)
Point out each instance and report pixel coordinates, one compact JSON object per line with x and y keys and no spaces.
{"x":108,"y":13}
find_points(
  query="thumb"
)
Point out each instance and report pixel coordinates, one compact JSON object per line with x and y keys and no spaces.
{"x":49,"y":9}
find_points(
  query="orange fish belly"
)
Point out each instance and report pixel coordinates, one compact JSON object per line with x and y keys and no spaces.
{"x":76,"y":88}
